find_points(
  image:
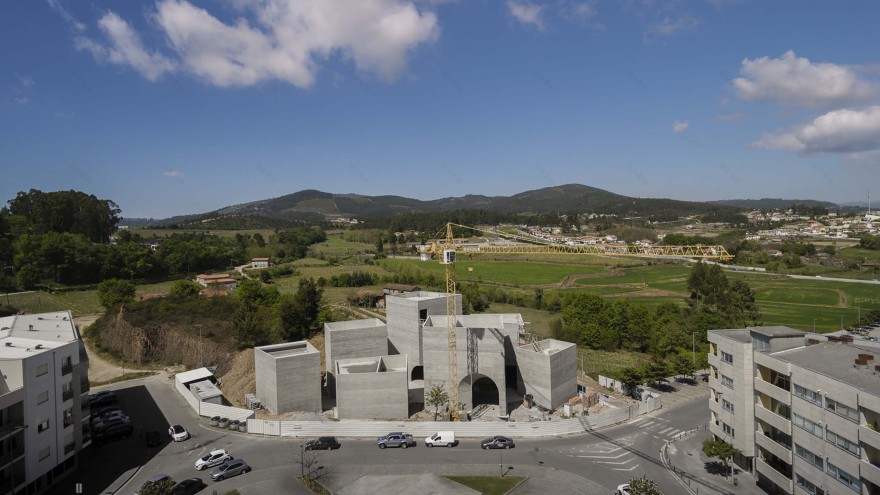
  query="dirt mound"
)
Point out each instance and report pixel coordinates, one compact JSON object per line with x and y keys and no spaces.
{"x":240,"y":379}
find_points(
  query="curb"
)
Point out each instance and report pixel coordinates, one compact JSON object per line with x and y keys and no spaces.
{"x":664,"y":457}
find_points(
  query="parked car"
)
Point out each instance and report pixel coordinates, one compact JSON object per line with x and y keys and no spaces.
{"x":111,"y":433}
{"x":107,"y":423}
{"x":212,"y":458}
{"x":323,"y":443}
{"x":109,"y":418}
{"x":188,"y":487}
{"x":105,"y":410}
{"x":441,"y":438}
{"x":497,"y":442}
{"x":230,"y":468}
{"x":623,"y":489}
{"x":103,"y":399}
{"x":153,"y":438}
{"x":178,"y":433}
{"x":396,"y":439}
{"x":153,"y":479}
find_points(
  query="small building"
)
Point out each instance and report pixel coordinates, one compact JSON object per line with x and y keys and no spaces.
{"x":288,"y":377}
{"x":398,"y":289}
{"x":353,"y":339}
{"x":222,"y":279}
{"x":372,"y":388}
{"x":548,"y":371}
{"x":206,"y":391}
{"x":260,"y":263}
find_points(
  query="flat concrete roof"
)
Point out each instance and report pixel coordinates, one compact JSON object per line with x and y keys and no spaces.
{"x":205,"y":390}
{"x":287,"y":349}
{"x":21,"y":334}
{"x":836,"y":360}
{"x":738,"y":334}
{"x":547,"y":346}
{"x":357,"y":365}
{"x":778,"y":331}
{"x":193,"y":375}
{"x":353,"y":324}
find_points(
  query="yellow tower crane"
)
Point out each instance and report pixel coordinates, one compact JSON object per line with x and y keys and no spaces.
{"x":446,"y":251}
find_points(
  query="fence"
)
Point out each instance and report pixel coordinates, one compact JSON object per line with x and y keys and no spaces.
{"x":208,"y":410}
{"x":473,"y":429}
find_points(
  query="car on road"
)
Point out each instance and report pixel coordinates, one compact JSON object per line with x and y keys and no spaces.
{"x":497,"y":442}
{"x":396,"y":439}
{"x":178,"y":433}
{"x":323,"y":443}
{"x":212,"y":459}
{"x":623,"y":489}
{"x":441,"y":439}
{"x":188,"y":487}
{"x":153,"y":438}
{"x":230,"y":468}
{"x":153,"y":479}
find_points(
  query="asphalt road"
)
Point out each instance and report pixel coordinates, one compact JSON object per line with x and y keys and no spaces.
{"x":606,"y":458}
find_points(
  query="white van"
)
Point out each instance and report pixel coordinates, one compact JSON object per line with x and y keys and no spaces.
{"x":440,"y":439}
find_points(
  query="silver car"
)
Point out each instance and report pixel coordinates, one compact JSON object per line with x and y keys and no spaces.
{"x":230,"y":468}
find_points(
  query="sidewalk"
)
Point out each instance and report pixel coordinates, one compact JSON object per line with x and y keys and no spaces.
{"x":699,"y":474}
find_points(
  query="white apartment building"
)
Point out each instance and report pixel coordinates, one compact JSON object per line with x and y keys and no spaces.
{"x":44,"y":412}
{"x":815,"y":410}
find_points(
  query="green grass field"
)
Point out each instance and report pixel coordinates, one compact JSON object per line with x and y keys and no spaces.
{"x":488,"y":485}
{"x":594,"y":362}
{"x":508,"y":273}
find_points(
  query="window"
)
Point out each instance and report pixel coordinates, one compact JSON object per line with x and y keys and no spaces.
{"x":780,"y":380}
{"x":727,"y":381}
{"x":727,"y":405}
{"x":43,"y":426}
{"x":43,"y":397}
{"x":841,"y":442}
{"x":808,"y":395}
{"x":728,"y":430}
{"x":42,"y":369}
{"x":847,"y":479}
{"x":842,"y":410}
{"x":808,"y":456}
{"x":807,"y":486}
{"x":44,"y":453}
{"x":727,"y":358}
{"x":806,"y":424}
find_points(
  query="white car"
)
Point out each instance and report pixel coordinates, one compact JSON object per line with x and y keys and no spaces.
{"x":623,"y":489}
{"x":178,"y":433}
{"x":212,"y":458}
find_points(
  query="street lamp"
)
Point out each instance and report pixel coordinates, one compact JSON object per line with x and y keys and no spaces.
{"x":201,"y":361}
{"x":814,"y":325}
{"x":694,"y":349}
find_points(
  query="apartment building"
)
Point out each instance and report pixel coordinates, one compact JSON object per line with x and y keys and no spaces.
{"x":44,"y":412}
{"x":815,"y":410}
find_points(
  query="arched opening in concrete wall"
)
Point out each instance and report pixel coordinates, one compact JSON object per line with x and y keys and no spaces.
{"x":484,"y":390}
{"x":418,"y":373}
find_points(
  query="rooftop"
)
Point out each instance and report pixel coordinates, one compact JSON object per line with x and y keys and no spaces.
{"x":778,"y":331}
{"x":742,"y":335}
{"x":836,"y":360}
{"x":287,"y":349}
{"x":24,"y":335}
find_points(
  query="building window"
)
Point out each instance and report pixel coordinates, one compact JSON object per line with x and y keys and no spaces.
{"x":807,"y":486}
{"x":841,"y":442}
{"x":727,"y":405}
{"x":808,"y":395}
{"x":43,"y":397}
{"x":806,"y":424}
{"x":728,"y":430}
{"x":43,"y":426}
{"x":842,"y":410}
{"x":45,"y":453}
{"x":780,"y":380}
{"x":42,"y":369}
{"x":808,"y":456}
{"x":727,"y":381}
{"x":847,"y":479}
{"x":727,"y":358}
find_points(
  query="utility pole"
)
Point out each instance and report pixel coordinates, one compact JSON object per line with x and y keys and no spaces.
{"x":814,"y":325}
{"x":694,"y":349}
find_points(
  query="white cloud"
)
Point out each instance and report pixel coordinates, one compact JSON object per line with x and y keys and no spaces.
{"x":526,"y":13}
{"x":669,"y":26}
{"x":173,"y":173}
{"x":796,"y":81}
{"x":21,"y":100}
{"x":24,"y":81}
{"x":66,"y":15}
{"x":849,"y":132}
{"x":731,"y":117}
{"x":125,"y":48}
{"x":679,"y":126}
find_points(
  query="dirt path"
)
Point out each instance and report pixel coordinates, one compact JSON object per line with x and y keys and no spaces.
{"x":100,"y":370}
{"x":842,"y":295}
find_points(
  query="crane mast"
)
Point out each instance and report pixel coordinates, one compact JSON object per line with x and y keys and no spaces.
{"x":449,"y":261}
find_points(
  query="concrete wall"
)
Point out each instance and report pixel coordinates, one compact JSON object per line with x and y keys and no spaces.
{"x":288,"y":377}
{"x":404,"y":323}
{"x":742,"y":395}
{"x":549,"y":371}
{"x":354,"y":339}
{"x":380,"y":394}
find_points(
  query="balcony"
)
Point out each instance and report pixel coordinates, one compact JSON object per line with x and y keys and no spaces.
{"x":11,"y":427}
{"x":773,"y":419}
{"x":773,"y":391}
{"x":69,"y":448}
{"x":68,"y":421}
{"x":774,"y":448}
{"x":773,"y":475}
{"x":66,"y":369}
{"x":869,"y":436}
{"x":870,"y":472}
{"x":67,"y":395}
{"x":714,"y":360}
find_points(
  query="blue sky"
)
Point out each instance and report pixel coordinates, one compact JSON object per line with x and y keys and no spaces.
{"x":172,"y":107}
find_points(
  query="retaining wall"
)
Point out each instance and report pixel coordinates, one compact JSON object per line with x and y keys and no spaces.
{"x":209,"y":410}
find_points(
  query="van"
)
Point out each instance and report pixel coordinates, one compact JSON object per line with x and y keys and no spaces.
{"x":440,"y":439}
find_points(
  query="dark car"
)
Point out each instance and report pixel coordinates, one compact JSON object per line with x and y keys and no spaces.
{"x":188,"y":487}
{"x":323,"y":443}
{"x":153,"y":438}
{"x":114,"y":432}
{"x":230,"y":468}
{"x":497,"y":442}
{"x":106,"y":411}
{"x":103,"y":399}
{"x":396,"y":439}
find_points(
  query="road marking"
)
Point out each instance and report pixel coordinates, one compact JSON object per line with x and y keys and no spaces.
{"x":674,"y":433}
{"x":665,"y":430}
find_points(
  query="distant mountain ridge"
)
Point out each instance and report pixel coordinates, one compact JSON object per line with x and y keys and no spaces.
{"x":773,"y":203}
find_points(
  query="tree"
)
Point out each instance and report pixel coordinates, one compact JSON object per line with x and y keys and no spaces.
{"x":259,"y":240}
{"x":115,"y":291}
{"x":656,"y":371}
{"x":644,"y":486}
{"x":683,"y":365}
{"x":630,"y":378}
{"x":185,"y":289}
{"x":436,"y":397}
{"x":721,"y":450}
{"x":299,"y":312}
{"x":157,"y":487}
